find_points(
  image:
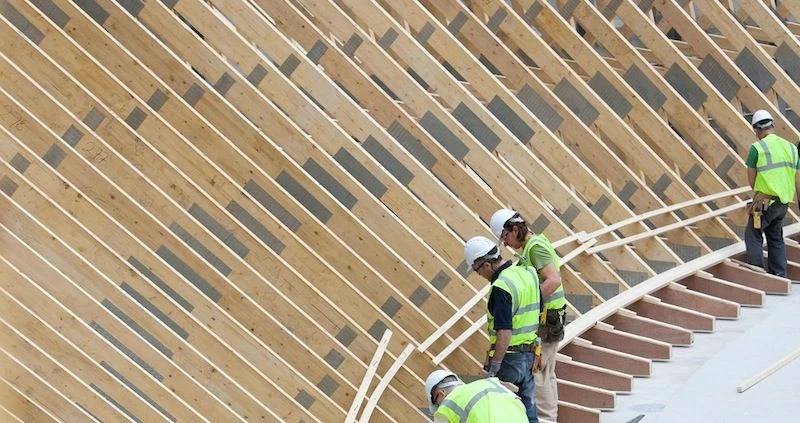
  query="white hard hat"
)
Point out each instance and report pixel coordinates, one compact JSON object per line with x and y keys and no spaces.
{"x":500,"y":218}
{"x":477,"y":247}
{"x":434,"y":379}
{"x":761,"y":119}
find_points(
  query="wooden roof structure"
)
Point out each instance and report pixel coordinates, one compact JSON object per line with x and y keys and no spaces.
{"x":255,"y":210}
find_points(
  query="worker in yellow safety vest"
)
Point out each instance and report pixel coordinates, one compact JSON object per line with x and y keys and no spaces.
{"x":483,"y":401}
{"x":537,"y":251}
{"x":512,"y":317}
{"x":772,"y":165}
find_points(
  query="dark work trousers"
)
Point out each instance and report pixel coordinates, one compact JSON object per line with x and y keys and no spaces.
{"x":772,"y":228}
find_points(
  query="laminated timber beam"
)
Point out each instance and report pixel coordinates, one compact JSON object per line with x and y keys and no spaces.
{"x":322,"y":335}
{"x":442,"y":44}
{"x":792,"y":268}
{"x":664,"y":312}
{"x":21,"y":408}
{"x":34,"y":335}
{"x":510,"y":71}
{"x":421,"y":104}
{"x":466,"y":228}
{"x":716,"y":76}
{"x":607,"y":85}
{"x":568,"y":412}
{"x":759,"y":66}
{"x":743,"y":276}
{"x":374,"y":306}
{"x":257,"y":325}
{"x":369,"y":54}
{"x":793,"y":251}
{"x":334,"y":131}
{"x":605,"y":335}
{"x":708,"y":284}
{"x":587,"y":396}
{"x":627,"y":321}
{"x":333,"y":187}
{"x":42,"y":378}
{"x":586,"y":352}
{"x":647,"y":123}
{"x":240,"y":197}
{"x":679,"y":295}
{"x":462,"y":101}
{"x":412,"y":147}
{"x":328,"y":333}
{"x":685,"y":117}
{"x":587,"y":374}
{"x":545,"y":18}
{"x":98,"y":316}
{"x":748,"y":93}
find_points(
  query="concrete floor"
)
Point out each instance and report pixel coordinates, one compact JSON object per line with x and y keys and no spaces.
{"x":699,"y":383}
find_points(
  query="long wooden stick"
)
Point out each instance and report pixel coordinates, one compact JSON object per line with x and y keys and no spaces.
{"x":384,"y":383}
{"x":768,"y":371}
{"x":652,"y":213}
{"x":373,"y":366}
{"x":459,"y":340}
{"x":452,"y":320}
{"x":667,"y":228}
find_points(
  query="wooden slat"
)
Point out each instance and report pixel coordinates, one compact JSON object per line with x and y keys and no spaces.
{"x":591,"y":375}
{"x":750,"y":278}
{"x":642,"y":326}
{"x":706,"y":283}
{"x":606,"y":336}
{"x":608,"y":358}
{"x":678,"y":295}
{"x":20,"y":408}
{"x":587,"y":396}
{"x":674,"y":315}
{"x":573,"y":413}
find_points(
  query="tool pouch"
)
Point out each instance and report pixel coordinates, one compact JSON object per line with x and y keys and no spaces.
{"x":553,"y":328}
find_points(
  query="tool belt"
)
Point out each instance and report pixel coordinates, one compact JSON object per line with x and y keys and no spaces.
{"x":551,"y":328}
{"x":517,"y":348}
{"x":758,"y":206}
{"x":761,"y":202}
{"x":521,"y":348}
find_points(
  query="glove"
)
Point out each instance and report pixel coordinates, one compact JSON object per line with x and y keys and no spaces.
{"x":493,"y":367}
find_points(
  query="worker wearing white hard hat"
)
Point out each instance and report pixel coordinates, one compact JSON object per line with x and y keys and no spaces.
{"x":772,"y":164}
{"x":512,"y":317}
{"x":536,"y":251}
{"x":485,"y":400}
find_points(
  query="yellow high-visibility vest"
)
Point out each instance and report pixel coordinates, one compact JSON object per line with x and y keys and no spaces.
{"x":522,"y":284}
{"x":482,"y":401}
{"x":776,"y":167}
{"x":556,"y":300}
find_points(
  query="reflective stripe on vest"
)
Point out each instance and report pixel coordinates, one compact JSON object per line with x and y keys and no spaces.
{"x":776,"y":167}
{"x":769,"y":164}
{"x":500,"y":404}
{"x":556,"y":300}
{"x":521,"y":284}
